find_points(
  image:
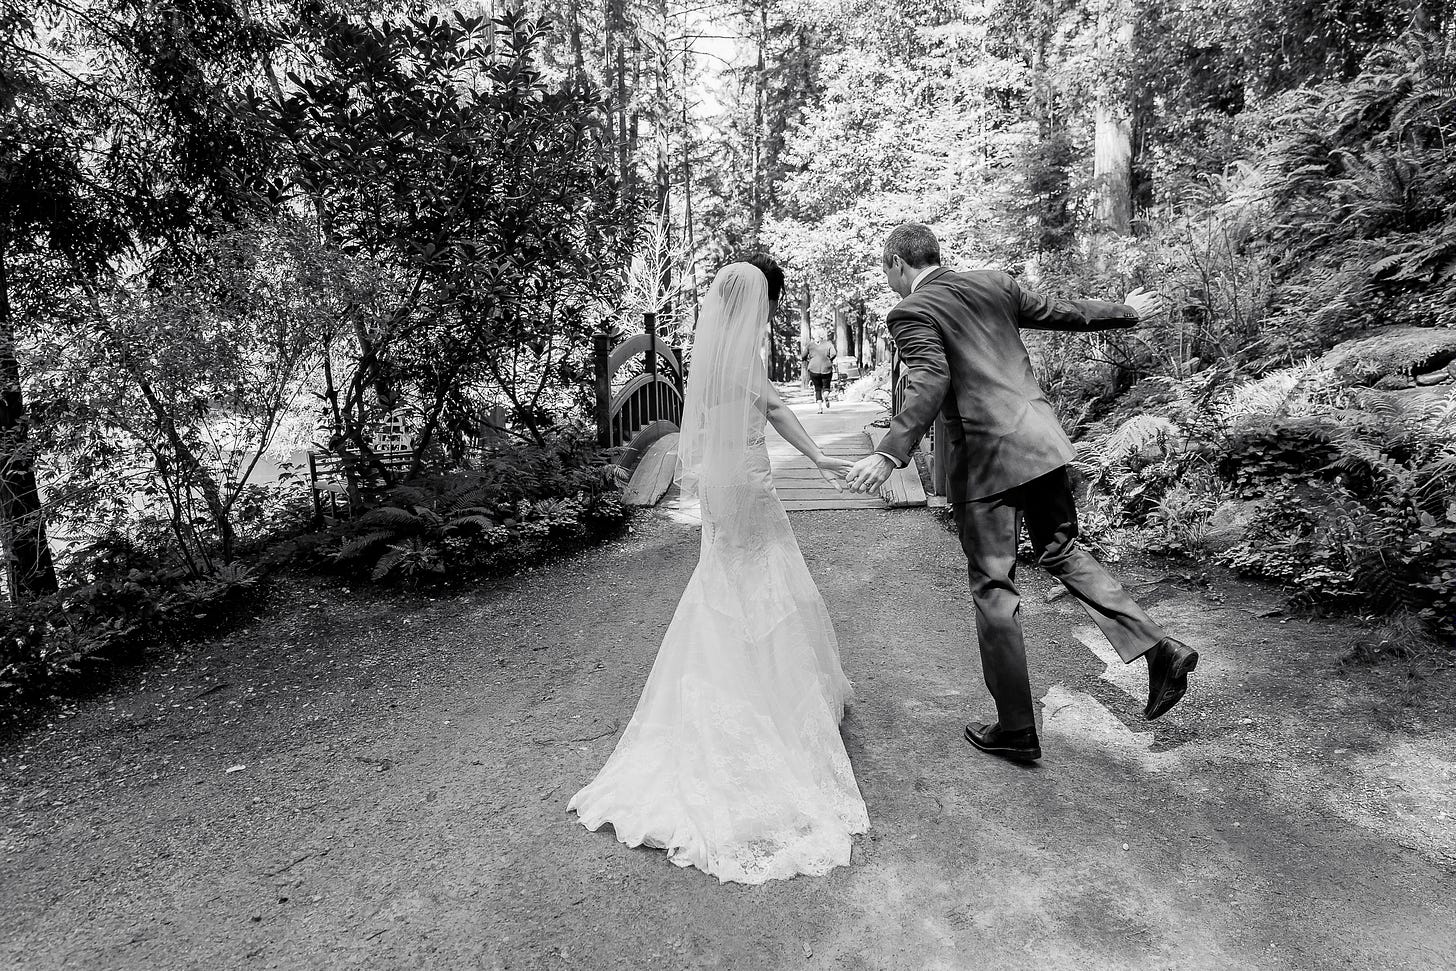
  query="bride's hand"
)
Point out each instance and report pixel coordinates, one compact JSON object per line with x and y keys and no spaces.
{"x":833,"y":470}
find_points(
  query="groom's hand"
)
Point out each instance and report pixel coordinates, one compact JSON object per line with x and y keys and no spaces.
{"x":869,"y":473}
{"x":1148,"y":305}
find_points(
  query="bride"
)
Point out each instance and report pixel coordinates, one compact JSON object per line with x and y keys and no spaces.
{"x":732,"y":761}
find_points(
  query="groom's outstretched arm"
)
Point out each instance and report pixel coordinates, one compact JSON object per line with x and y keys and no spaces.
{"x":927,"y":381}
{"x":1037,"y":312}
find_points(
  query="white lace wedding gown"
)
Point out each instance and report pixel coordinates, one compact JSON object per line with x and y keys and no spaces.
{"x":732,"y":761}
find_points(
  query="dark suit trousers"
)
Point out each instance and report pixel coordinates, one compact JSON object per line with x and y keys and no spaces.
{"x":989,"y":530}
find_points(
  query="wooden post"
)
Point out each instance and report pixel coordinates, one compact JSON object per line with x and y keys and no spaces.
{"x":318,"y":506}
{"x":601,"y":351}
{"x":894,"y":383}
{"x":936,"y":456}
{"x":680,"y":373}
{"x":649,"y":324}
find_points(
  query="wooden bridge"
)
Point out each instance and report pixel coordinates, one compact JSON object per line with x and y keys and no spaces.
{"x":640,"y":384}
{"x":639,"y":390}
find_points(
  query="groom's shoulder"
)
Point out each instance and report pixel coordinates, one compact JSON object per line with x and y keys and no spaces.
{"x":980,"y":279}
{"x":984,"y":276}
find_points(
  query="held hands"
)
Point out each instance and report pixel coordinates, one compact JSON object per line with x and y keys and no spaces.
{"x":1147,"y":304}
{"x":833,"y":469}
{"x":870,"y":473}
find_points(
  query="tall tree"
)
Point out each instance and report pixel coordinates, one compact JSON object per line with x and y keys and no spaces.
{"x":121,"y":145}
{"x":1113,"y":118}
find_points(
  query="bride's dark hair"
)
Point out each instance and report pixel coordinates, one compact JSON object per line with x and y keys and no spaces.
{"x":771,"y":271}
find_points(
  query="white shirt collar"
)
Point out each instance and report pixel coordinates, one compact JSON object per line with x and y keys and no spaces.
{"x":923,"y":274}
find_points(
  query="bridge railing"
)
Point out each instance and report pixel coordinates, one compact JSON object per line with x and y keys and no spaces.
{"x":636,"y":408}
{"x":937,"y":431}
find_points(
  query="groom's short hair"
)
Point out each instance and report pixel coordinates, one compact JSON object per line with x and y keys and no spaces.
{"x":914,"y":243}
{"x":771,"y":270}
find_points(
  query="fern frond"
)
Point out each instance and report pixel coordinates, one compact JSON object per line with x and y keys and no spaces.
{"x":356,"y":547}
{"x":479,"y":522}
{"x":1138,"y":432}
{"x":387,"y":562}
{"x":389,"y":516}
{"x":1442,"y":413}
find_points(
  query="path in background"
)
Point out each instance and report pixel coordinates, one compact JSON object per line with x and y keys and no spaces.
{"x":374,"y":782}
{"x":840,"y":432}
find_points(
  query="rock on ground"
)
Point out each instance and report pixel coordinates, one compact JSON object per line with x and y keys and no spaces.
{"x":1393,"y":358}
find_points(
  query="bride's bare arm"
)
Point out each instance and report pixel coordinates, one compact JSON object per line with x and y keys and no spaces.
{"x":782,"y":417}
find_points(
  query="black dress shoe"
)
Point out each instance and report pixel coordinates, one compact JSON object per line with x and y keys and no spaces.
{"x":1018,"y":746}
{"x":1168,"y":665}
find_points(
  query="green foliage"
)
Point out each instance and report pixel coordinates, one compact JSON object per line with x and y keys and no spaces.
{"x":1362,"y":178}
{"x":69,"y":642}
{"x":174,"y":392}
{"x":435,"y":150}
{"x":1355,"y":495}
{"x":1401,"y":639}
{"x":522,"y":503}
{"x":1360,"y":514}
{"x":395,"y":216}
{"x":1151,"y":463}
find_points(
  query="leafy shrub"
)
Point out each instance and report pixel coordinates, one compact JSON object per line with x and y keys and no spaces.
{"x":1267,"y":450}
{"x":1361,"y":512}
{"x":67,"y":642}
{"x":872,"y":387}
{"x":523,"y":502}
{"x":1355,"y":493}
{"x":1149,"y":466}
{"x":1361,"y":179}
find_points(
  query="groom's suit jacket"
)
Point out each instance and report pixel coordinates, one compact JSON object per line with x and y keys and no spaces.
{"x":959,"y":342}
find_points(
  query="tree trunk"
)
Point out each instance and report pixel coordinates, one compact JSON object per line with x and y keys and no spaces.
{"x":859,"y":335}
{"x":629,"y":162}
{"x":806,"y":333}
{"x":1112,"y":168}
{"x":843,"y":336}
{"x":578,"y":57}
{"x":30,"y":570}
{"x":760,"y":95}
{"x":689,"y":239}
{"x":621,"y":136}
{"x":1112,"y":147}
{"x":662,"y":122}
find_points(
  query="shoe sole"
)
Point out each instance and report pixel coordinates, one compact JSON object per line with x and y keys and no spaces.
{"x":1014,"y":754}
{"x":1177,"y":687}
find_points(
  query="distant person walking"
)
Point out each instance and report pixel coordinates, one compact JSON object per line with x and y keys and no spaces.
{"x":818,"y":356}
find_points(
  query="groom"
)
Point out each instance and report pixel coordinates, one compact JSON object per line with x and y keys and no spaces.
{"x":1005,"y":458}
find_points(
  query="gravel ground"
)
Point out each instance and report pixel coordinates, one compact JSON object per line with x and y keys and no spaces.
{"x":363,"y":781}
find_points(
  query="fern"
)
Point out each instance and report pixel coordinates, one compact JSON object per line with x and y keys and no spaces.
{"x":392,"y":517}
{"x":356,"y":547}
{"x":1138,"y":432}
{"x":1442,"y":413}
{"x":234,"y":575}
{"x":476,"y":521}
{"x":386,"y":563}
{"x":1292,"y":391}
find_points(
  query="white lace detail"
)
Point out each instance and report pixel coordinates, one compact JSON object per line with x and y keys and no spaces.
{"x":732,"y":761}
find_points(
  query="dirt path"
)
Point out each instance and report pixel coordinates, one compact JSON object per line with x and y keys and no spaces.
{"x":405,"y":770}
